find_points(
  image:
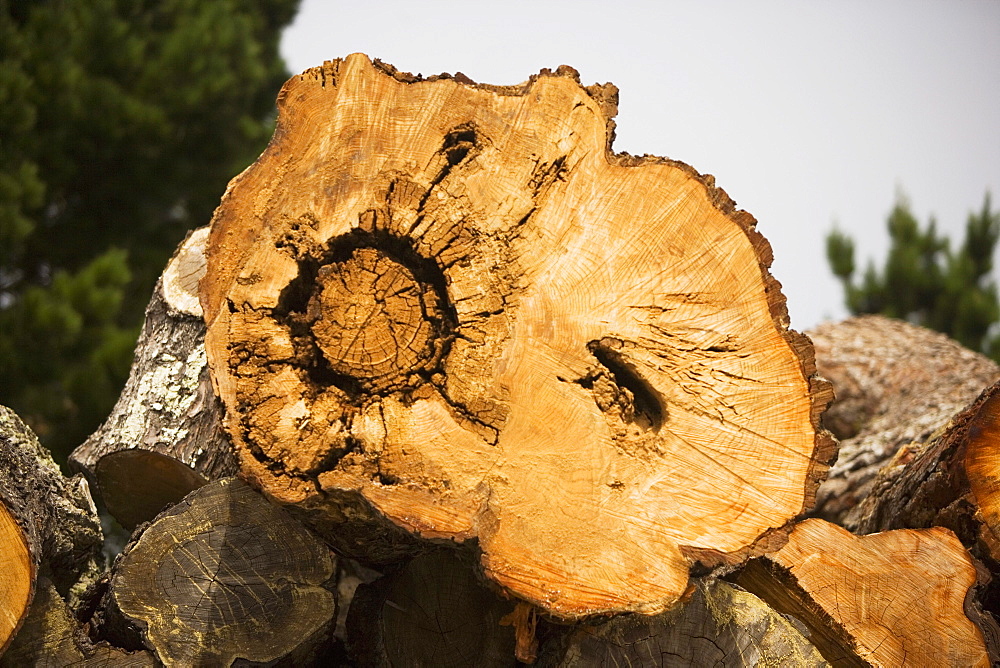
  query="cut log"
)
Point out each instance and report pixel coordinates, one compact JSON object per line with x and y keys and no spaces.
{"x":17,"y":573}
{"x":221,"y":576}
{"x":951,"y":481}
{"x":896,"y":384}
{"x":889,"y":599}
{"x":721,"y":625}
{"x":433,"y":612}
{"x":50,"y":637}
{"x":452,"y":306}
{"x":164,"y":437}
{"x":48,"y":525}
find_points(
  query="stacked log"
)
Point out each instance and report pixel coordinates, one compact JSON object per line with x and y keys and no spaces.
{"x":496,"y":395}
{"x":890,"y":402}
{"x":222,"y":575}
{"x":421,"y":328}
{"x":889,"y":599}
{"x":49,"y":530}
{"x":164,"y":437}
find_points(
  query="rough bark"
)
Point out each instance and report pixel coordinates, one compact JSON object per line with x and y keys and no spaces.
{"x":896,"y":384}
{"x":164,"y":437}
{"x":48,"y":525}
{"x":890,"y":599}
{"x":451,"y":306}
{"x":223,"y":576}
{"x":949,"y":481}
{"x":432,"y":612}
{"x":720,"y":625}
{"x":51,"y":638}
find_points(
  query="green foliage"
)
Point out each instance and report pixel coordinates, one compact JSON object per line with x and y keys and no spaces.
{"x":925,"y":281}
{"x":120,"y":123}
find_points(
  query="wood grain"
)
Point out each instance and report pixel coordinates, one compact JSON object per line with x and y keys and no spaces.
{"x":452,"y":306}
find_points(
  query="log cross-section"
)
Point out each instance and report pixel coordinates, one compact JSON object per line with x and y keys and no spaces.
{"x":451,"y":309}
{"x":896,"y":598}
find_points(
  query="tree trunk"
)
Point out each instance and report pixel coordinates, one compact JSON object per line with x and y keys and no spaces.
{"x":221,"y":576}
{"x":889,"y":599}
{"x":451,"y":306}
{"x":164,"y":437}
{"x":896,"y":384}
{"x":48,"y":525}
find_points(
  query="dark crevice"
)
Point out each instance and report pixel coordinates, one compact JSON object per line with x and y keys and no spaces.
{"x":387,"y":479}
{"x":645,"y":399}
{"x":458,"y":144}
{"x":351,"y":444}
{"x":547,"y":173}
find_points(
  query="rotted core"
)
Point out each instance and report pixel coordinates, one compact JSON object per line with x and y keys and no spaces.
{"x":371,"y":316}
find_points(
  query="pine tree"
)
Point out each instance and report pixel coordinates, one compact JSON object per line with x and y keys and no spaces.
{"x":924,"y":281}
{"x":120,"y":123}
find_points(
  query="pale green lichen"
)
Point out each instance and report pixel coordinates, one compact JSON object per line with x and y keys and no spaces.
{"x":167,"y":392}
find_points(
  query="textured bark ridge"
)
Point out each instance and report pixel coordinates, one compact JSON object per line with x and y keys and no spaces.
{"x":433,"y":612}
{"x":221,"y":576}
{"x":890,"y":599}
{"x":164,"y":437}
{"x":720,"y":625}
{"x":48,"y":525}
{"x":452,"y":306}
{"x":897,"y":384}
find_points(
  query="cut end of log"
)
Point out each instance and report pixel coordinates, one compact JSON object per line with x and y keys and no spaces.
{"x":137,"y":484}
{"x":183,"y":273}
{"x":16,"y":576}
{"x":454,"y":302}
{"x":895,"y":598}
{"x":982,"y":466}
{"x":720,"y":625}
{"x":432,"y":612}
{"x":225,"y":575}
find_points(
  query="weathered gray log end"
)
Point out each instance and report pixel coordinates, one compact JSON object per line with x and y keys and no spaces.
{"x":435,"y":611}
{"x":719,"y":625}
{"x":225,"y":575}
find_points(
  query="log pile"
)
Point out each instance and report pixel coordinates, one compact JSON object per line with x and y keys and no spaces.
{"x":496,"y":395}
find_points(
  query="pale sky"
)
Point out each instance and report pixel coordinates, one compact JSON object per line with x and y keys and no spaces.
{"x":807,"y":112}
